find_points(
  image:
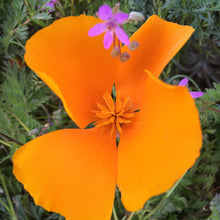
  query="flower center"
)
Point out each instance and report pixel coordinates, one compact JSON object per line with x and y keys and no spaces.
{"x":114,"y":113}
{"x":110,"y":25}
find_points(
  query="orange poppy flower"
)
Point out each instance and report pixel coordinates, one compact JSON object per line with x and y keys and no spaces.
{"x":75,"y":171}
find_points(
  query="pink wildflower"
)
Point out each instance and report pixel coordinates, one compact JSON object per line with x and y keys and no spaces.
{"x":112,"y":26}
{"x":194,"y":95}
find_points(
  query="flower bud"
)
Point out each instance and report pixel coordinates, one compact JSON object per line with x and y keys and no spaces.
{"x":136,"y":16}
{"x":115,"y":51}
{"x":115,"y":9}
{"x":32,"y":132}
{"x":133,"y":45}
{"x":124,"y":57}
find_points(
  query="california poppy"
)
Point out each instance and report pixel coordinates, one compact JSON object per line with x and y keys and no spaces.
{"x":75,"y":171}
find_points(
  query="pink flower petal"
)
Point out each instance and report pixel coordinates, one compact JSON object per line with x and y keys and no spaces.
{"x":196,"y":94}
{"x":97,"y":29}
{"x":105,"y":12}
{"x":121,"y":35}
{"x":50,"y":4}
{"x":108,"y":38}
{"x":120,"y":17}
{"x":183,"y":82}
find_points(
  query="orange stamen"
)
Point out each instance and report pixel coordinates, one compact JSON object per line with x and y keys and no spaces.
{"x":115,"y":113}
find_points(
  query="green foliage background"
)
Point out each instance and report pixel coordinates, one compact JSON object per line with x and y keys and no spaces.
{"x":28,"y":108}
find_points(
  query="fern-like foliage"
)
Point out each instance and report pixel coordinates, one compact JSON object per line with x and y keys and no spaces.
{"x":19,"y":100}
{"x":210,"y":104}
{"x":198,"y":13}
{"x":15,"y":28}
{"x":215,"y":208}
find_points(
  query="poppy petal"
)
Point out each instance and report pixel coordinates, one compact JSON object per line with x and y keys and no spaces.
{"x":75,"y":66}
{"x":159,"y":41}
{"x":71,"y":171}
{"x":159,"y":145}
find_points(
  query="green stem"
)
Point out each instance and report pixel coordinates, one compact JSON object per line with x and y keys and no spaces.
{"x":26,"y":3}
{"x":5,"y":158}
{"x":131,"y":216}
{"x":5,"y":143}
{"x":73,"y":7}
{"x":183,"y":76}
{"x":114,"y":213}
{"x":11,"y":139}
{"x":5,"y":206}
{"x":18,"y":44}
{"x":213,"y":109}
{"x":167,"y":195}
{"x":20,"y":25}
{"x":24,"y":126}
{"x":12,"y":211}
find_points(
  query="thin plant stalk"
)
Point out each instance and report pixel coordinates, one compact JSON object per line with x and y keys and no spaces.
{"x":114,"y":213}
{"x":183,"y":76}
{"x":11,"y":207}
{"x":167,"y":195}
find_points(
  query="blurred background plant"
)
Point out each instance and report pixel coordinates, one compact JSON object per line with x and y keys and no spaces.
{"x":28,"y":108}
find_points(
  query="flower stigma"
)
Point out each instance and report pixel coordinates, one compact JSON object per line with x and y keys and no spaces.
{"x":114,"y":113}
